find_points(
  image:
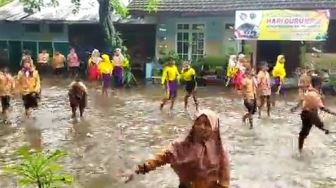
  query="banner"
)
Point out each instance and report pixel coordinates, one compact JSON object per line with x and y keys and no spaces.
{"x":294,"y":25}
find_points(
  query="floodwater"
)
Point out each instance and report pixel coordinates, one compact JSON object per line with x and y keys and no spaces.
{"x":126,"y":128}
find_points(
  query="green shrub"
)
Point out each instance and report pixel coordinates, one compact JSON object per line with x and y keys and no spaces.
{"x":39,"y":169}
{"x":171,"y":54}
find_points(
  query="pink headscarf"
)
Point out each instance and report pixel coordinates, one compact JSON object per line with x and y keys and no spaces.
{"x":200,"y":161}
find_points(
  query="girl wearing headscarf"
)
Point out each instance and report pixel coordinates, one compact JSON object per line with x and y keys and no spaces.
{"x":119,"y":62}
{"x":189,"y":76}
{"x":29,"y":85}
{"x":231,"y":70}
{"x":105,"y":69}
{"x":200,"y":161}
{"x":279,"y":75}
{"x":94,"y":60}
{"x":238,"y":80}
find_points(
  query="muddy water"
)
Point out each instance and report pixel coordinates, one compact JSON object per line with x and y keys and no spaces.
{"x":126,"y":128}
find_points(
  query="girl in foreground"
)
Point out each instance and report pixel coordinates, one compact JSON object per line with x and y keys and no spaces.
{"x":200,"y":160}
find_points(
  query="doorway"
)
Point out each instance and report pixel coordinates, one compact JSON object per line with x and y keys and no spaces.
{"x":269,"y":50}
{"x":140,"y":41}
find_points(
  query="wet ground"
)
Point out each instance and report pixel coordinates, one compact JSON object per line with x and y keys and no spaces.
{"x":127,"y":128}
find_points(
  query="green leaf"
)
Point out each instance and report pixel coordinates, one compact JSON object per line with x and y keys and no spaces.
{"x":152,"y":5}
{"x":37,"y":166}
{"x":119,"y":7}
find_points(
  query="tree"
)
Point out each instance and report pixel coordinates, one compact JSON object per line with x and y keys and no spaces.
{"x":105,"y":20}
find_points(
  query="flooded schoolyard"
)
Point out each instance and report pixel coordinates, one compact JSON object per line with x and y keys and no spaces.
{"x":126,"y":128}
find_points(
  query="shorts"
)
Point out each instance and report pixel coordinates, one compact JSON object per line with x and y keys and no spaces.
{"x":172,"y":89}
{"x":30,"y":100}
{"x":5,"y":100}
{"x":251,"y":105}
{"x":190,"y":86}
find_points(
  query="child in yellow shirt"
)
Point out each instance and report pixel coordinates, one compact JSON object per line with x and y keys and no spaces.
{"x":169,"y":79}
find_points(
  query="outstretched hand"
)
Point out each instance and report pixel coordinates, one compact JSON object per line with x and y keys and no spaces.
{"x":326,"y":131}
{"x":126,"y":176}
{"x":293,"y":109}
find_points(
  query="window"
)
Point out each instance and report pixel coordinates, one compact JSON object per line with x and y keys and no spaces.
{"x":56,"y":28}
{"x":34,"y":28}
{"x":190,"y":41}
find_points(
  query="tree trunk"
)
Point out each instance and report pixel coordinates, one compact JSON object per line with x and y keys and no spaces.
{"x":106,"y":23}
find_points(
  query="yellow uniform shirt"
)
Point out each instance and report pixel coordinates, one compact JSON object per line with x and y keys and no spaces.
{"x":28,"y":83}
{"x":189,"y":74}
{"x":105,"y":67}
{"x":170,"y":73}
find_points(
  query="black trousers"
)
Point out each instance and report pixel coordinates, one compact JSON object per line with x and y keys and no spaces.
{"x":5,"y":102}
{"x":30,"y":100}
{"x":309,"y":118}
{"x":251,"y":105}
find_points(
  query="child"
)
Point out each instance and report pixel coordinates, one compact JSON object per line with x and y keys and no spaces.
{"x":29,"y":85}
{"x":58,"y":63}
{"x":279,"y":75}
{"x":189,"y":76}
{"x":170,"y":77}
{"x":105,"y":69}
{"x":7,"y":86}
{"x":304,"y":82}
{"x":200,"y":160}
{"x":231,"y":69}
{"x":311,"y":102}
{"x":77,"y":97}
{"x":249,"y":94}
{"x":264,"y":88}
{"x":93,"y":71}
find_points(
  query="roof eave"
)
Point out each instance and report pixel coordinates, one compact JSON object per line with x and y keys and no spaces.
{"x":50,"y":21}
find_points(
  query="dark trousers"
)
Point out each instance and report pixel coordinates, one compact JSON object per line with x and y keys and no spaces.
{"x":5,"y":102}
{"x":43,"y":68}
{"x":309,"y":118}
{"x":30,"y":100}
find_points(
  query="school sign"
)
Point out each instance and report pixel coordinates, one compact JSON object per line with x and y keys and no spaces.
{"x":293,"y":25}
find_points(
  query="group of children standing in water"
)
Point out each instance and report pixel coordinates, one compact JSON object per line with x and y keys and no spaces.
{"x":101,"y":67}
{"x":199,"y":160}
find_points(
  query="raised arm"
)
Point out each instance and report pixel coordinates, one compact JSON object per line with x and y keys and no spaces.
{"x":150,"y":165}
